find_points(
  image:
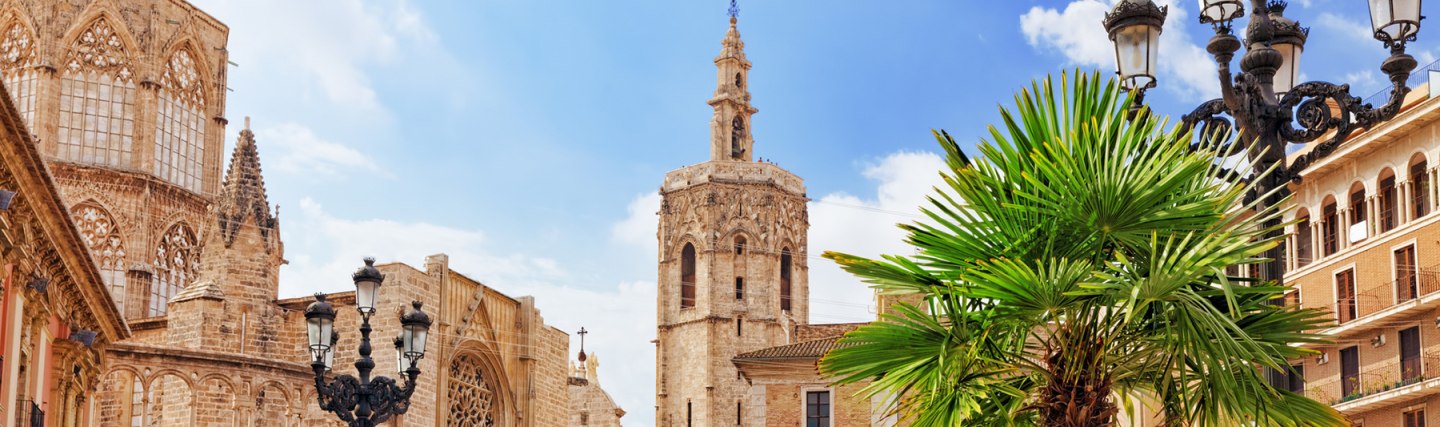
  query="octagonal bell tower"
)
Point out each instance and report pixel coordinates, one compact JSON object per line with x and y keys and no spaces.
{"x":732,"y":260}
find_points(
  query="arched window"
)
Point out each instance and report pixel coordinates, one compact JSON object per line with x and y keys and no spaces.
{"x":17,"y":66}
{"x":739,"y":245}
{"x":471,"y":397}
{"x":1329,"y":227}
{"x":1357,"y":205}
{"x":785,"y":279}
{"x":687,"y":276}
{"x":106,"y":246}
{"x":175,"y":260}
{"x":180,"y":124}
{"x":97,"y":99}
{"x":737,"y":134}
{"x":1304,"y":251}
{"x":739,"y":83}
{"x":137,"y":405}
{"x":1419,"y":187}
{"x":1389,"y":212}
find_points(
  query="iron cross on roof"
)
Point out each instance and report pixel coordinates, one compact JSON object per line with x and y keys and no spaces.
{"x":582,"y":342}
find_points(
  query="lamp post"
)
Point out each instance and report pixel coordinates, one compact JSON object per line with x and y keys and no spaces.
{"x":1263,"y":101}
{"x":365,"y":401}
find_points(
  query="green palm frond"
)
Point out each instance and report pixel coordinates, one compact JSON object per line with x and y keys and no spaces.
{"x":1077,"y":265}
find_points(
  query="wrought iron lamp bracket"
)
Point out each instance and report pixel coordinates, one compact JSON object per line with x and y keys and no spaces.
{"x":382,"y":396}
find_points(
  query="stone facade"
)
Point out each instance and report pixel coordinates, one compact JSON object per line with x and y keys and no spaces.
{"x":590,"y":405}
{"x":732,"y":267}
{"x":126,"y":102}
{"x":57,"y":320}
{"x":125,"y":98}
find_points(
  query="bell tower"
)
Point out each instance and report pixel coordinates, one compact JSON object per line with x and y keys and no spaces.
{"x":730,"y":136}
{"x":732,"y":261}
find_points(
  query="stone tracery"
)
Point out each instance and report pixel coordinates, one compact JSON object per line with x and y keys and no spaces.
{"x":176,"y":259}
{"x":180,"y":123}
{"x":471,"y":397}
{"x":17,"y":48}
{"x":17,"y":59}
{"x":107,"y":247}
{"x":100,"y":49}
{"x":97,"y":99}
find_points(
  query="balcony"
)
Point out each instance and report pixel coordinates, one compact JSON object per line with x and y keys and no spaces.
{"x":29,"y":414}
{"x":1380,"y":385}
{"x":1391,"y":298}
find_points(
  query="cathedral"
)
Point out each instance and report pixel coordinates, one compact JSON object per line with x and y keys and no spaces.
{"x":124,"y":100}
{"x":734,"y":345}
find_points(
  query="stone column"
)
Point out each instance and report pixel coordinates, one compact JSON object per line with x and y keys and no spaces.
{"x":1342,"y":229}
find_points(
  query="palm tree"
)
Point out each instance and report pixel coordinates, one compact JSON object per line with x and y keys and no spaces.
{"x":1076,"y":267}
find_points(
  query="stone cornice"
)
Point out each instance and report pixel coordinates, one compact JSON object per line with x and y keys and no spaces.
{"x":241,"y":362}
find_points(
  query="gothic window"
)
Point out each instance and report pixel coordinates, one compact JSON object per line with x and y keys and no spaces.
{"x":106,"y":246}
{"x":739,"y":82}
{"x":687,"y":276}
{"x":785,"y":279}
{"x":17,"y":67}
{"x":737,"y":134}
{"x":180,"y":124}
{"x":470,"y":395}
{"x":175,"y":261}
{"x":97,"y":99}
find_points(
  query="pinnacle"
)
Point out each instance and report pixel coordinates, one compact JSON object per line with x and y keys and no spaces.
{"x":242,"y":195}
{"x":732,"y":46}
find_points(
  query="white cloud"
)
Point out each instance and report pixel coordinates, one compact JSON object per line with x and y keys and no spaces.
{"x":1365,"y":82}
{"x":1337,"y":24}
{"x":639,"y":226}
{"x":865,"y":226}
{"x":345,"y":241}
{"x":621,"y":318}
{"x":328,"y":44}
{"x":295,"y":149}
{"x":1076,"y":32}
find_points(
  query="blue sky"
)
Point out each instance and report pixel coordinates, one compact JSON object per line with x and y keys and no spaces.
{"x":526,"y":139}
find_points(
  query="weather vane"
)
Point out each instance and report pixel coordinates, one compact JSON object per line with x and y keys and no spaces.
{"x":734,"y":9}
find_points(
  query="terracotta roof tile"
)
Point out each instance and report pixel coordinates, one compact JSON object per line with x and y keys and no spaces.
{"x":812,"y":349}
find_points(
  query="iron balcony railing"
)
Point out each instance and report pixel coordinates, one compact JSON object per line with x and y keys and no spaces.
{"x":1420,"y":75}
{"x":1377,"y":298}
{"x":1375,"y":378}
{"x":29,"y":413}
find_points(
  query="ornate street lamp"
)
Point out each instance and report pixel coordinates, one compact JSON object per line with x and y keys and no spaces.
{"x":1263,"y":101}
{"x":365,"y":402}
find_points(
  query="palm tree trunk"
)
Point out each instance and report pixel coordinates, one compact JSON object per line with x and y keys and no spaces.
{"x":1078,"y":394}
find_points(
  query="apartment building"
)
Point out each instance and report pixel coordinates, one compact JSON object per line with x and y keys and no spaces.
{"x":1366,"y":248}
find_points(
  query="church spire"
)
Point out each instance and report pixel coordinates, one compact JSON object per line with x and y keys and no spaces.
{"x":242,"y":195}
{"x":730,"y":135}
